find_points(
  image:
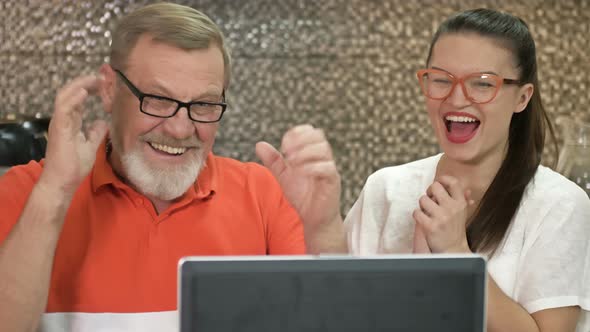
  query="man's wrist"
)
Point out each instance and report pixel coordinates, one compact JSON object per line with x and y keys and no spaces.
{"x":53,"y":193}
{"x":326,"y":226}
{"x":326,"y":237}
{"x":50,"y":186}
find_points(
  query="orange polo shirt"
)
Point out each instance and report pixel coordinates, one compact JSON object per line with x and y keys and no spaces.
{"x":116,"y":254}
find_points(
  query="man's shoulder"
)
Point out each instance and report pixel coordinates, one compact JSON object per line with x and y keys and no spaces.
{"x":22,"y":174}
{"x":247,"y":179}
{"x":15,"y":187}
{"x":228,"y":167}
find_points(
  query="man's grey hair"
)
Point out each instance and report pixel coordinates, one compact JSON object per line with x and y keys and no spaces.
{"x":177,"y":25}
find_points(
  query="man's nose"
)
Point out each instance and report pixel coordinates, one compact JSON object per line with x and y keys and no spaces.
{"x":180,"y":125}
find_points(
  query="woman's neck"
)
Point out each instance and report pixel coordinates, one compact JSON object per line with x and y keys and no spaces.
{"x":474,"y":176}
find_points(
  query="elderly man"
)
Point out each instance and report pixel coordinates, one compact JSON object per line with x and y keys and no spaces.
{"x":90,"y":237}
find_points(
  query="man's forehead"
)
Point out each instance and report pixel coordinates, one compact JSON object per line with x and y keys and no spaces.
{"x":159,"y":57}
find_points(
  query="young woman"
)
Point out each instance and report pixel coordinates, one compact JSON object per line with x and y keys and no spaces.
{"x":487,"y":191}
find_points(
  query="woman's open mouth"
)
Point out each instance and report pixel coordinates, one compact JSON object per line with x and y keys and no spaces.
{"x":460,"y":127}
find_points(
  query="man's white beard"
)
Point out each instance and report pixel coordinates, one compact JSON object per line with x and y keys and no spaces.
{"x":165,"y":183}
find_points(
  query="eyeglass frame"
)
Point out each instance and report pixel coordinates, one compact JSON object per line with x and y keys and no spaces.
{"x":461,"y":81}
{"x":141,"y":95}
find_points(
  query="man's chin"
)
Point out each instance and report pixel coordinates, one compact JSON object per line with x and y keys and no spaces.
{"x":165,"y":182}
{"x":164,"y":185}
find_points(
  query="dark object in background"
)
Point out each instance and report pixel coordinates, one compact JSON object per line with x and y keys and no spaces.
{"x":22,"y":140}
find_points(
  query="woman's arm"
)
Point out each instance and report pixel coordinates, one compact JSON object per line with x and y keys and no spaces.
{"x":504,"y":314}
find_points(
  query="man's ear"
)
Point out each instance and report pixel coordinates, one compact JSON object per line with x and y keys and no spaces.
{"x":525,"y":93}
{"x":107,"y":86}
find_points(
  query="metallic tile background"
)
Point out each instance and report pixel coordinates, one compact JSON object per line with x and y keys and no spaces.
{"x":345,"y":66}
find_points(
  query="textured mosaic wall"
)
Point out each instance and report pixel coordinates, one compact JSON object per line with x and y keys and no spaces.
{"x":344,"y":65}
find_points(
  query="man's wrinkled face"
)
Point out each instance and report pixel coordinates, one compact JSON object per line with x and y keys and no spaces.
{"x":162,"y":157}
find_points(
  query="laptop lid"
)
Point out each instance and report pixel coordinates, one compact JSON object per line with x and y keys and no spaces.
{"x":381,"y":293}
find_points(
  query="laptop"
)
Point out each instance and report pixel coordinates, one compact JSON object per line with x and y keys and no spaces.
{"x":332,"y":294}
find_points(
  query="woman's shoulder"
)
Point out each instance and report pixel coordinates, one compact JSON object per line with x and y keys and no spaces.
{"x":551,"y":201}
{"x":402,"y":181}
{"x":406,"y":172}
{"x":553,"y":188}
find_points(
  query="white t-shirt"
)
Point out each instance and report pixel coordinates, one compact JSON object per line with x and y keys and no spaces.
{"x":544,"y":259}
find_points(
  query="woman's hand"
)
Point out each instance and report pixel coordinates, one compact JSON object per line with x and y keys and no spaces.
{"x":442,"y":217}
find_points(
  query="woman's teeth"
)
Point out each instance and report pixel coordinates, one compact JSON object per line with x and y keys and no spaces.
{"x":168,"y":149}
{"x":456,"y":118}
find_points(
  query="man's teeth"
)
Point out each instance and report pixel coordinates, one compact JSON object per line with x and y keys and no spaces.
{"x":168,"y":149}
{"x":456,"y":118}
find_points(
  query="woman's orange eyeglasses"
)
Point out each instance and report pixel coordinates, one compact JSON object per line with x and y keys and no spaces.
{"x":479,"y":88}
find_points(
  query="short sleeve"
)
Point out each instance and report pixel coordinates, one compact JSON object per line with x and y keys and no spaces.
{"x":15,"y":188}
{"x":361,"y":222}
{"x":555,"y":268}
{"x":364,"y":222}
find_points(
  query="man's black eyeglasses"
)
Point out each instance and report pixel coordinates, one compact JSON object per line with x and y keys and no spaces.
{"x":164,"y":107}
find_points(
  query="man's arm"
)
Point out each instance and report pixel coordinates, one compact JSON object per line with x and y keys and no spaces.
{"x":26,"y":255}
{"x":26,"y":258}
{"x":307,"y":173}
{"x":326,"y":238}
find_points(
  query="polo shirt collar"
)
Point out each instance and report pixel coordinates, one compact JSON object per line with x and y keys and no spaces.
{"x":207,"y":182}
{"x":102,"y":172}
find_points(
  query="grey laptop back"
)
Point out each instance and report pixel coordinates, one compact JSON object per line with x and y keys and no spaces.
{"x":284,"y":294}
